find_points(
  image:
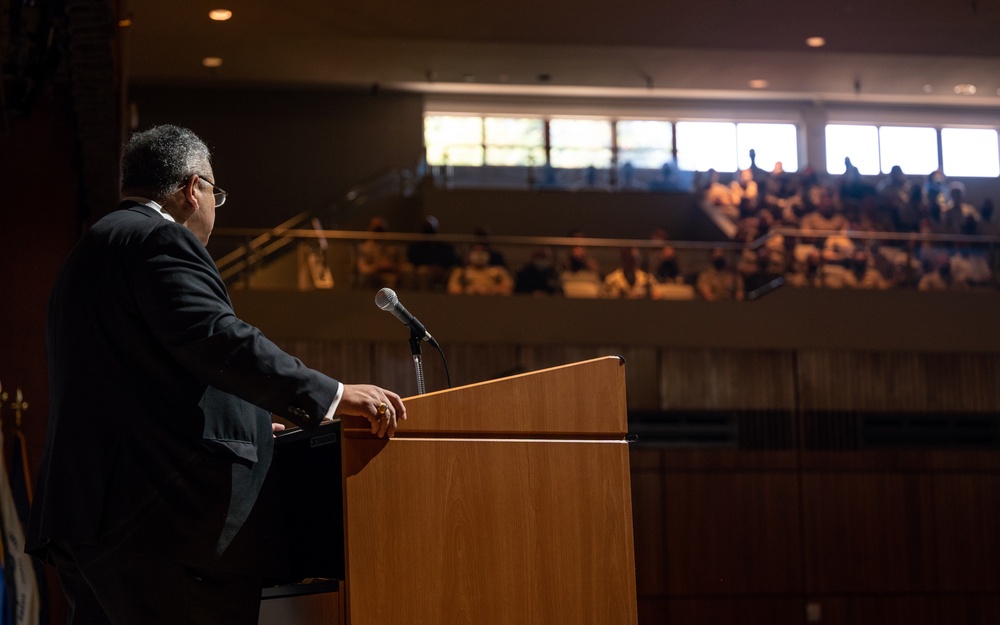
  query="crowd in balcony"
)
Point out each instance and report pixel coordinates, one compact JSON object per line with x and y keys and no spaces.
{"x":758,"y":203}
{"x":836,"y":243}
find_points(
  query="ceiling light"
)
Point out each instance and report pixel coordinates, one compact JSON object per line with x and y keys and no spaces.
{"x":815,"y":42}
{"x":211,"y":61}
{"x":125,"y":22}
{"x":965,"y":89}
{"x":220,"y":15}
{"x":758,"y":83}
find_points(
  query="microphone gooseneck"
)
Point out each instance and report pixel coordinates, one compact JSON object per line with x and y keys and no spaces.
{"x":387,"y":300}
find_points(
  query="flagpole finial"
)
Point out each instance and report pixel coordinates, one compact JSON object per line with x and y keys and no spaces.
{"x":19,"y":406}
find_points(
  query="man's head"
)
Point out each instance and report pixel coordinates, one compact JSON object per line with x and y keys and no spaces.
{"x":173,"y":167}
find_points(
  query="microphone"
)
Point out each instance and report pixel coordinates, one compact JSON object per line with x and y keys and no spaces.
{"x":387,"y":300}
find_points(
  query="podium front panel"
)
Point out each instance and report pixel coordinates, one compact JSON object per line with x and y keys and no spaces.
{"x":488,"y":531}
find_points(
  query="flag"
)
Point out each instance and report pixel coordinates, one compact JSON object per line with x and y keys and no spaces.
{"x":19,"y":574}
{"x":21,"y":489}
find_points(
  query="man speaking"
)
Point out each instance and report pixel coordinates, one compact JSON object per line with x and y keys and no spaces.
{"x":160,"y":433}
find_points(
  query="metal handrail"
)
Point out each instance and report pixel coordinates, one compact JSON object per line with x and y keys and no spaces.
{"x":260,"y":244}
{"x":562,"y":241}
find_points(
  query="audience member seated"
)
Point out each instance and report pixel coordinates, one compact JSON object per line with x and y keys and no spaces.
{"x":539,"y":276}
{"x":720,"y":196}
{"x":496,"y":256}
{"x":628,"y":281}
{"x":719,"y":282}
{"x":579,"y":258}
{"x":893,"y":194}
{"x":379,"y":263}
{"x":745,"y":192}
{"x":763,"y":275}
{"x":805,"y":271}
{"x":958,"y":216}
{"x":668,"y":180}
{"x":837,"y":274}
{"x":825,"y":216}
{"x":837,"y":248}
{"x":580,"y":274}
{"x":780,"y":185}
{"x":935,"y":189}
{"x":866,"y":274}
{"x":988,"y":224}
{"x":937,"y":277}
{"x":908,"y":218}
{"x":971,"y":267}
{"x":666,"y":269}
{"x":478,"y":277}
{"x":853,"y":189}
{"x":432,"y":261}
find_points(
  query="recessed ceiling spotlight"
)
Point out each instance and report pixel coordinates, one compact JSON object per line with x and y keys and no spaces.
{"x":211,"y":61}
{"x":815,"y":42}
{"x":965,"y":89}
{"x":220,"y":15}
{"x":928,"y":88}
{"x":758,"y":83}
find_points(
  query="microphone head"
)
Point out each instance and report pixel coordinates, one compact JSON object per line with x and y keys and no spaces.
{"x":386,"y":298}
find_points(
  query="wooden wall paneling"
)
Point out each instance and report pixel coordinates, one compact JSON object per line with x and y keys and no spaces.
{"x":703,"y":379}
{"x":713,"y":460}
{"x":468,"y":364}
{"x":976,"y":609}
{"x":471,"y":363}
{"x":732,"y":532}
{"x":648,"y":521}
{"x":898,"y":381}
{"x":735,"y":611}
{"x":961,"y":382}
{"x":347,"y":361}
{"x":641,"y":366}
{"x":866,"y":532}
{"x":840,"y":380}
{"x":965,"y":509}
{"x":898,"y":460}
{"x":880,"y":610}
{"x":652,"y":611}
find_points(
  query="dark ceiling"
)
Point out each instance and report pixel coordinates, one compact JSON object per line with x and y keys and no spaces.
{"x":897,"y":51}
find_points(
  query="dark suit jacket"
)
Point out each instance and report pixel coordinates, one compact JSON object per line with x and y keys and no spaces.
{"x":159,"y":434}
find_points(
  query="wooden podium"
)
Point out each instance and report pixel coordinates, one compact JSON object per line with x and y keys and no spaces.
{"x":500,"y":503}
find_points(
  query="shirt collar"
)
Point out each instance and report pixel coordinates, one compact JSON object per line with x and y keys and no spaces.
{"x":150,"y":203}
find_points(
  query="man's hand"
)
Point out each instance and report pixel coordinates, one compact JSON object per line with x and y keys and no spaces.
{"x":382,"y":408}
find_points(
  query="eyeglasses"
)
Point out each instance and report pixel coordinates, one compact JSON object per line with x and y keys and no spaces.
{"x":217,"y":191}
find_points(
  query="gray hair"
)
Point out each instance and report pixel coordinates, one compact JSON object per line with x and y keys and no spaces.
{"x":158,"y":160}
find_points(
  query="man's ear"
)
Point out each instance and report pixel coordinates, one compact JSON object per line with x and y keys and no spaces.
{"x":190,"y":190}
{"x":183,"y":202}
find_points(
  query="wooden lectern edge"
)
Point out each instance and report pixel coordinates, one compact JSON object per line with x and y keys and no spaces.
{"x":503,"y":437}
{"x":620,"y":359}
